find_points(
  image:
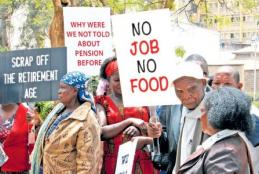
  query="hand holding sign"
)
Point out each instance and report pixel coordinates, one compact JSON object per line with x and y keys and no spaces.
{"x":154,"y":128}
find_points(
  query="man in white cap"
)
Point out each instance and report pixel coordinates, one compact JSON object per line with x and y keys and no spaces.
{"x":183,"y":129}
{"x":189,"y":84}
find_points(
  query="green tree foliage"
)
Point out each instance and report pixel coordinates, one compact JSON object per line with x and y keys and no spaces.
{"x":37,"y":23}
{"x":220,"y":20}
{"x":40,"y":13}
{"x":256,"y":103}
{"x":249,"y":4}
{"x":11,"y":5}
{"x":2,"y":49}
{"x":223,"y":21}
{"x":44,"y":108}
{"x":6,"y":10}
{"x":180,"y":51}
{"x":92,"y":84}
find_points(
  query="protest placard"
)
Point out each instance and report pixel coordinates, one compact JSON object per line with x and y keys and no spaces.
{"x":125,"y":157}
{"x":31,"y":75}
{"x":87,"y":37}
{"x":145,"y":59}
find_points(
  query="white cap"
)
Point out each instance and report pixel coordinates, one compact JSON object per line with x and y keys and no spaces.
{"x":188,"y":69}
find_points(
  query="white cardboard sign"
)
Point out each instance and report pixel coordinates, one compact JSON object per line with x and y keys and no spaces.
{"x":125,"y":157}
{"x":87,"y":37}
{"x":145,"y":57}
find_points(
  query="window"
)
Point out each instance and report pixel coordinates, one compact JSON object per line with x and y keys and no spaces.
{"x":231,"y":35}
{"x":232,"y":19}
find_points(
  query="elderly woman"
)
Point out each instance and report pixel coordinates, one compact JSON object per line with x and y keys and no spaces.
{"x":121,"y":124}
{"x":69,"y":139}
{"x":226,"y":113}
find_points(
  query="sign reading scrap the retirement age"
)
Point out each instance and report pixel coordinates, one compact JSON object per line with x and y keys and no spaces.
{"x":31,"y":75}
{"x":87,"y":37}
{"x":145,"y":59}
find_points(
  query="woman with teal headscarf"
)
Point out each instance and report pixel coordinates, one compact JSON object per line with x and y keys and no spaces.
{"x":69,"y":139}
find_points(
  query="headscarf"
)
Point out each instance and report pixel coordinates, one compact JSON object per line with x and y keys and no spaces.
{"x":78,"y":80}
{"x":111,"y":68}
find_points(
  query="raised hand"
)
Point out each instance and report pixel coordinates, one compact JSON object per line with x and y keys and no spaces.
{"x":154,"y":129}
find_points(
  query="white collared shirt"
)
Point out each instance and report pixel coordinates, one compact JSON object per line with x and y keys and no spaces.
{"x":189,"y":121}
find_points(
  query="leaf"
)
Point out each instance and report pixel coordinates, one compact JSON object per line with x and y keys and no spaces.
{"x":180,"y":51}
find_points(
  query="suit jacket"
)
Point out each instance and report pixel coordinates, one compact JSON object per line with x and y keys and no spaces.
{"x":229,"y":155}
{"x":74,"y":146}
{"x":170,"y":117}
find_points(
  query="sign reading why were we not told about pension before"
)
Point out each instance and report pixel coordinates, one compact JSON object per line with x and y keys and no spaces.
{"x":87,"y":38}
{"x":146,"y":63}
{"x":31,"y":75}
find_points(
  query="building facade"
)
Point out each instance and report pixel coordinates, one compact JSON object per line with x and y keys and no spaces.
{"x":236,"y":23}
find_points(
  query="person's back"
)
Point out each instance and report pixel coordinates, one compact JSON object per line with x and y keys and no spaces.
{"x":233,"y":149}
{"x":228,"y":76}
{"x":223,"y":156}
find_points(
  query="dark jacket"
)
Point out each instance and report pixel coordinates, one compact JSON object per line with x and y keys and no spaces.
{"x":229,"y":155}
{"x":170,"y":117}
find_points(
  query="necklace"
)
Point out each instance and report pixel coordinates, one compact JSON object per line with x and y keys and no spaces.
{"x":118,"y":102}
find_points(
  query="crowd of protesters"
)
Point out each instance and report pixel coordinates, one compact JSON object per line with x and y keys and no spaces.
{"x":215,"y":129}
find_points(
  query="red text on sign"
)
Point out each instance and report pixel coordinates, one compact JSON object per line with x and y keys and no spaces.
{"x":89,"y":62}
{"x":144,"y":47}
{"x":152,"y":84}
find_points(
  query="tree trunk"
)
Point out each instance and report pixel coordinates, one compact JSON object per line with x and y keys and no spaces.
{"x":104,"y":3}
{"x":6,"y":26}
{"x":56,"y":30}
{"x":5,"y":33}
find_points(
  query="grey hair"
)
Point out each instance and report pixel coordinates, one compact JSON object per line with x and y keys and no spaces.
{"x":196,"y":58}
{"x":231,"y":71}
{"x":229,"y":108}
